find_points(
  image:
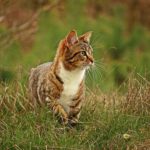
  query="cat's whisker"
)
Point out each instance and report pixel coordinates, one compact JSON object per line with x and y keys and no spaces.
{"x":97,"y":72}
{"x":89,"y":74}
{"x":99,"y":64}
{"x":98,"y":47}
{"x":94,"y":74}
{"x":95,"y":39}
{"x":99,"y":61}
{"x":101,"y":68}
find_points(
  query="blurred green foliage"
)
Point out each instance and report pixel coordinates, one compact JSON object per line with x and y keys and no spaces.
{"x":117,"y":51}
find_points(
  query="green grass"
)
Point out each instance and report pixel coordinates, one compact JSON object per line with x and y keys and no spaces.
{"x":97,"y":131}
{"x":105,"y":119}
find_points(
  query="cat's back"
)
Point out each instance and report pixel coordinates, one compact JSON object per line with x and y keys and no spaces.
{"x":42,"y":67}
{"x":37,"y":74}
{"x":39,"y":70}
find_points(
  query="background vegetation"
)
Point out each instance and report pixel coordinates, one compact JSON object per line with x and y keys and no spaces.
{"x":117,"y":109}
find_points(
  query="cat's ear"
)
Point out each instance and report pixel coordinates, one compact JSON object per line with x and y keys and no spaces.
{"x":71,"y":38}
{"x":86,"y":37}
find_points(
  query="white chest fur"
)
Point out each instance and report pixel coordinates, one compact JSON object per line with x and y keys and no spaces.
{"x":72,"y":80}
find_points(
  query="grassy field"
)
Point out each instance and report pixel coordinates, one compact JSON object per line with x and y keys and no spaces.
{"x":116,"y":112}
{"x":108,"y":121}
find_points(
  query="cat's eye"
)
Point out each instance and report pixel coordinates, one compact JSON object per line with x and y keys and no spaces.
{"x":83,"y":53}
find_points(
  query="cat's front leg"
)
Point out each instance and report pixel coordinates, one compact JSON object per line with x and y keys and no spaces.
{"x":58,"y":110}
{"x":75,"y":109}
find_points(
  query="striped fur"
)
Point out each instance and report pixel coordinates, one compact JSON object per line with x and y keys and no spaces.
{"x":60,"y":84}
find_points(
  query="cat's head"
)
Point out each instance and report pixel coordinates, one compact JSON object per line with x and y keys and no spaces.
{"x":78,"y":51}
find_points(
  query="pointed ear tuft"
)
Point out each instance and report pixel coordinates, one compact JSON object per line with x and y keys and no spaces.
{"x":71,"y":38}
{"x":86,"y":37}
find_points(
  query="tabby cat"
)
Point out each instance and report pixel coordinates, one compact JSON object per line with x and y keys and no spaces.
{"x":60,"y":84}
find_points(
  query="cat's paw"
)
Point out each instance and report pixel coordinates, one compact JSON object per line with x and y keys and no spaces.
{"x":63,"y":121}
{"x":73,"y":122}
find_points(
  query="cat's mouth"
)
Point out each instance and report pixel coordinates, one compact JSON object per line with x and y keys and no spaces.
{"x":91,"y":64}
{"x":88,"y":65}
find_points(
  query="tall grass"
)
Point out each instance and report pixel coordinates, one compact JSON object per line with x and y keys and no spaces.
{"x":108,"y":120}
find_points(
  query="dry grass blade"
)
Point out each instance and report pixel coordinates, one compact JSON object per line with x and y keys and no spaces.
{"x":137,"y":100}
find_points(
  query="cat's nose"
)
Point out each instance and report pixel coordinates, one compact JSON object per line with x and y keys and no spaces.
{"x":91,"y":61}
